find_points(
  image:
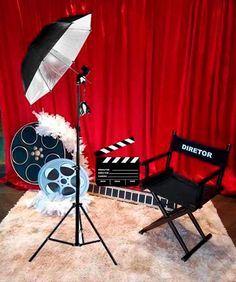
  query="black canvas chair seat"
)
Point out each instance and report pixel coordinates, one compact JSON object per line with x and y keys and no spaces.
{"x":188,"y":195}
{"x":179,"y":189}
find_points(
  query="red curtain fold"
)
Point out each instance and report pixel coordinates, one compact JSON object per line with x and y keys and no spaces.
{"x":156,"y":66}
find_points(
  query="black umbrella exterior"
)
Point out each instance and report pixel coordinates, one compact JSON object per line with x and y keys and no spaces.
{"x":51,"y":54}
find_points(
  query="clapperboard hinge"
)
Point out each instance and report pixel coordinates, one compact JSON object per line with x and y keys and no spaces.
{"x":115,"y":146}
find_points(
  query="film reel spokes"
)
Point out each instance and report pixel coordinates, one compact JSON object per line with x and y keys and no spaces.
{"x":58,"y":177}
{"x":30,"y":151}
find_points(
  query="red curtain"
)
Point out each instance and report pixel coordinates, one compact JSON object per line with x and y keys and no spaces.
{"x":156,"y":66}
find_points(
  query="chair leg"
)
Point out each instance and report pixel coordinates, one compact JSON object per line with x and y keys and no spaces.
{"x":195,"y":248}
{"x":178,"y":237}
{"x":154,"y":224}
{"x":168,"y":218}
{"x":205,"y":238}
{"x":165,"y":218}
{"x":196,"y":224}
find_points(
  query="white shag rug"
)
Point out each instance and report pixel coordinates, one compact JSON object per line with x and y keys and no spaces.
{"x":154,"y":256}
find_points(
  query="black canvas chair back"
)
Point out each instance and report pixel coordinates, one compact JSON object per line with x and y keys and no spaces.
{"x":188,"y":195}
{"x":196,"y":150}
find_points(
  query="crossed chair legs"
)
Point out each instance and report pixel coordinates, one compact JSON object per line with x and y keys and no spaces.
{"x":168,"y":217}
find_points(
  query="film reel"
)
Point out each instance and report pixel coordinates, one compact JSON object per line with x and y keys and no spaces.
{"x":30,"y":151}
{"x":59,"y":176}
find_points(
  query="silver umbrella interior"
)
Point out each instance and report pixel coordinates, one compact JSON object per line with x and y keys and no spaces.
{"x":59,"y":59}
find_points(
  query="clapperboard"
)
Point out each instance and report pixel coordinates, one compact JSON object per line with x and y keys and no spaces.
{"x":117,"y":171}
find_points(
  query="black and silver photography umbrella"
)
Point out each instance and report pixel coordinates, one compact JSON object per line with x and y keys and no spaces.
{"x":52,"y":53}
{"x":48,"y":57}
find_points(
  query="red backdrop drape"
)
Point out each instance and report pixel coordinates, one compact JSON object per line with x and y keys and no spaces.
{"x":155,"y":66}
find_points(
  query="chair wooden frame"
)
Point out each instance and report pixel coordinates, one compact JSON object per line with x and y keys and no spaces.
{"x":220,"y":159}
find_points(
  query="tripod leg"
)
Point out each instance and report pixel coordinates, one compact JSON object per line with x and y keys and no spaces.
{"x":99,"y":236}
{"x":79,"y":227}
{"x":48,"y":237}
{"x":77,"y":224}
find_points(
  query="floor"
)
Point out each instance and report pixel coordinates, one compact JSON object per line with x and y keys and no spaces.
{"x":226,"y":207}
{"x":8,"y":198}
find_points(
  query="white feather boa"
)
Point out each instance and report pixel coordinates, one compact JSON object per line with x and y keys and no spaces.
{"x":56,"y":204}
{"x":56,"y":127}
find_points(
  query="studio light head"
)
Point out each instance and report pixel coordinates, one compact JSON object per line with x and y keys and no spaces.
{"x":85,"y":70}
{"x":82,"y":74}
{"x":84,"y":109}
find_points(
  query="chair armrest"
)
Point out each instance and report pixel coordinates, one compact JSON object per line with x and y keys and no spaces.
{"x":209,"y":177}
{"x":155,"y":158}
{"x":148,"y":161}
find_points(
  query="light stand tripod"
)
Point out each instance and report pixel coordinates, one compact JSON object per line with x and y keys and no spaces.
{"x":81,"y":78}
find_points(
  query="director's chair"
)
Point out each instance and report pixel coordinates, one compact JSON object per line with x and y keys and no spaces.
{"x":188,"y":195}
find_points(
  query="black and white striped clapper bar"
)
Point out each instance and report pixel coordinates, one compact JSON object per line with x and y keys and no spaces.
{"x":117,"y":171}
